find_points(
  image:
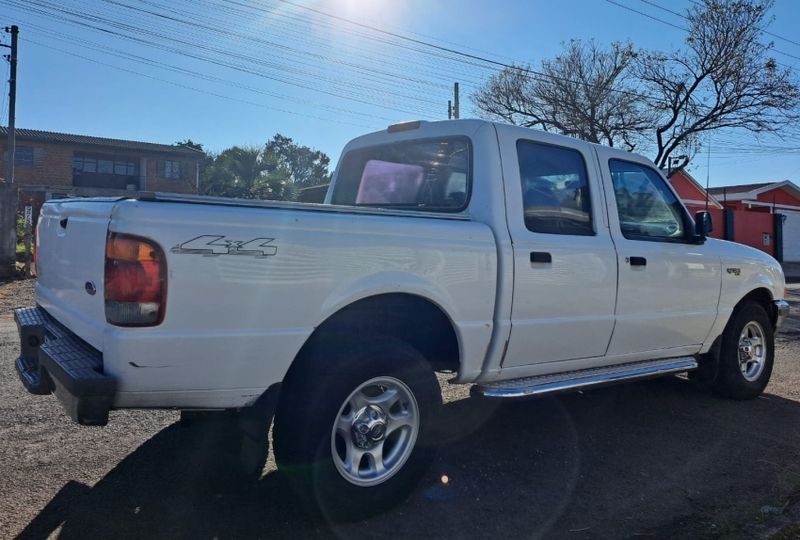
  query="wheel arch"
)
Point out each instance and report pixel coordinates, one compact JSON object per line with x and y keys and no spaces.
{"x":763,"y":297}
{"x":409,"y":317}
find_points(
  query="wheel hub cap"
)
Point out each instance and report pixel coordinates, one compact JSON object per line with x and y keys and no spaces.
{"x":752,"y":351}
{"x":369,"y":427}
{"x":375,"y":431}
{"x":746,"y":350}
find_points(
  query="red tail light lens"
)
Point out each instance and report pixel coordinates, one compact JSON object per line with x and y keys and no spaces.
{"x":135,"y":281}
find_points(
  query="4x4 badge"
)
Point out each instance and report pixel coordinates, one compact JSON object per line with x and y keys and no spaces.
{"x":213,"y":245}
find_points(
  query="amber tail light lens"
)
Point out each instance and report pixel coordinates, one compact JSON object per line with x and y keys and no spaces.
{"x":135,"y":281}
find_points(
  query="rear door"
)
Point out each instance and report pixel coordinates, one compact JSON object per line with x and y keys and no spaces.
{"x":668,"y":286}
{"x":71,"y":242}
{"x":565,"y":268}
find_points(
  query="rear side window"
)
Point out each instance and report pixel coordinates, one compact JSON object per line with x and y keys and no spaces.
{"x":555,"y":189}
{"x":431,"y":174}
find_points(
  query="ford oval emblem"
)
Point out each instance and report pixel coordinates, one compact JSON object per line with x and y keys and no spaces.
{"x":90,"y":287}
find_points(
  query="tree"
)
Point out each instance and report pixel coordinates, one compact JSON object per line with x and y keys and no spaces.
{"x":191,"y":144}
{"x":275,"y":171}
{"x":585,"y":92}
{"x":723,"y":78}
{"x":307,"y":167}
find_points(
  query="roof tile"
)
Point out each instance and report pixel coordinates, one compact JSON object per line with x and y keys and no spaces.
{"x":69,"y":138}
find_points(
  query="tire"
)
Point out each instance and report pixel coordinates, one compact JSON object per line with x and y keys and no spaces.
{"x":384,"y":398}
{"x":747,"y":353}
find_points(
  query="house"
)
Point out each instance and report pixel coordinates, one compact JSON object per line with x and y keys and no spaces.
{"x":53,"y":164}
{"x":764,"y":197}
{"x":743,"y":216}
{"x":781,"y":198}
{"x":692,"y":193}
{"x":696,"y":199}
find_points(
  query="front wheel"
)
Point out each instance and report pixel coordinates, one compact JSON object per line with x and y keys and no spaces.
{"x":747,"y":353}
{"x":353,"y":432}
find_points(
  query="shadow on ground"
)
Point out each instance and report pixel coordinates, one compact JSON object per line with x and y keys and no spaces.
{"x":660,"y":459}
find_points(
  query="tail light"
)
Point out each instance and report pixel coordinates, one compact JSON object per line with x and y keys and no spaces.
{"x":135,"y":281}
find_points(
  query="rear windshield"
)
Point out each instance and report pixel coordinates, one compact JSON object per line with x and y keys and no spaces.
{"x":430,"y":174}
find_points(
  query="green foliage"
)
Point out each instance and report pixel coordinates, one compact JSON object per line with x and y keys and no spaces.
{"x":191,"y":144}
{"x":20,"y":225}
{"x":275,"y":171}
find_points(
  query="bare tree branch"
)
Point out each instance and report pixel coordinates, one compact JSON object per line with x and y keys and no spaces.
{"x":723,"y":78}
{"x":581,"y":92}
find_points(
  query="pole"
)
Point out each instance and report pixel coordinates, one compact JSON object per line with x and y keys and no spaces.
{"x":449,"y":109}
{"x":12,"y":105}
{"x":708,"y":170}
{"x":456,"y":108}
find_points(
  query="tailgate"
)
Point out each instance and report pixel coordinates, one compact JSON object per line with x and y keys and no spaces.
{"x":70,"y":263}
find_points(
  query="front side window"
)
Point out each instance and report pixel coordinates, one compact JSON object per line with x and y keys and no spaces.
{"x":647,"y":208}
{"x":430,"y":174}
{"x":555,"y":189}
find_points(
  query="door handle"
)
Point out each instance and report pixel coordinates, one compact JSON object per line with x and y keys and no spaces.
{"x":541,"y":257}
{"x":637,"y":261}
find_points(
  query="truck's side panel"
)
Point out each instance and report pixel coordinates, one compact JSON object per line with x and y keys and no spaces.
{"x":234,"y":322}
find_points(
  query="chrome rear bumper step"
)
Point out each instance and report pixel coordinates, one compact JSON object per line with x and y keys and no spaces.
{"x":585,"y":378}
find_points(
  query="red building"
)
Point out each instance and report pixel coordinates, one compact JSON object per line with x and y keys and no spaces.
{"x":694,"y":196}
{"x":772,"y":197}
{"x":765,"y":215}
{"x":759,"y":204}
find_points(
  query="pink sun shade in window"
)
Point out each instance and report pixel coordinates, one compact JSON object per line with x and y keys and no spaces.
{"x":384,"y":182}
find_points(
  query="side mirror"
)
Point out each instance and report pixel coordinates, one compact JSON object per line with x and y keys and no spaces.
{"x":703,"y":224}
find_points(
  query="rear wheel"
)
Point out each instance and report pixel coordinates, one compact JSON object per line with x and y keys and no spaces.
{"x":353,"y":432}
{"x":747,"y":353}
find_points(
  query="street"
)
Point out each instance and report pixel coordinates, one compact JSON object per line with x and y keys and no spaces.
{"x":655,"y":459}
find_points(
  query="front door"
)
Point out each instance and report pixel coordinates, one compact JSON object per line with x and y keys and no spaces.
{"x":565,"y":268}
{"x":669,"y":285}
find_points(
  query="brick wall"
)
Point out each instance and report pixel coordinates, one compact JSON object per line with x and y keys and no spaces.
{"x":185,"y":184}
{"x":53,"y":166}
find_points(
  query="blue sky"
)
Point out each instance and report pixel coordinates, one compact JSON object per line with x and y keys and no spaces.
{"x":238,"y":71}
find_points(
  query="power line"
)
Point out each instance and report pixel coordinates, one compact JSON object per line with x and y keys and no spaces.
{"x":475,"y":57}
{"x":683,"y":16}
{"x":643,"y":14}
{"x":470,"y":58}
{"x":192,"y":88}
{"x":98,"y":47}
{"x":787,"y":40}
{"x":223,"y":61}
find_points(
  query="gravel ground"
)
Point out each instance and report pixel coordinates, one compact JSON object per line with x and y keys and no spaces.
{"x":15,"y":294}
{"x":659,"y":459}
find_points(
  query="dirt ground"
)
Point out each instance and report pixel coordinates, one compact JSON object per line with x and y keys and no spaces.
{"x":659,"y":459}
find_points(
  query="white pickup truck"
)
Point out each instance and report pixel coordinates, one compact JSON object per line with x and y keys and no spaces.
{"x":522,"y":262}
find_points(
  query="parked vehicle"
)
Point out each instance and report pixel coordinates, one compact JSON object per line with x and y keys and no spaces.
{"x":522,"y":262}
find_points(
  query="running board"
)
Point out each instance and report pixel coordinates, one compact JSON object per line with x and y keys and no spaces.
{"x":576,"y":380}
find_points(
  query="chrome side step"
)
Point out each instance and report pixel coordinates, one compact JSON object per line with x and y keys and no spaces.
{"x":576,"y":380}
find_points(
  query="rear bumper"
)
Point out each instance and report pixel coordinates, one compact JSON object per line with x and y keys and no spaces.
{"x":54,"y":360}
{"x":783,"y":309}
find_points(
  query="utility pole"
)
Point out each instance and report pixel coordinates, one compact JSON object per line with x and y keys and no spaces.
{"x":8,"y":192}
{"x":456,"y":108}
{"x":449,"y":109}
{"x":12,"y":103}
